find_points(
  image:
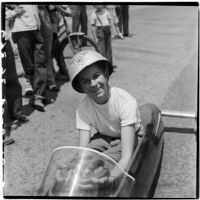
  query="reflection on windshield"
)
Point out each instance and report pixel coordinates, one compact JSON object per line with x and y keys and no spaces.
{"x":72,"y":171}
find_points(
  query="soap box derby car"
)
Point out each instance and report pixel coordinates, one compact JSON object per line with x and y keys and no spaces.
{"x":70,"y":168}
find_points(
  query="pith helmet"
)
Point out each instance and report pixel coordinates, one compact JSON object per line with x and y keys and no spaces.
{"x":82,"y":60}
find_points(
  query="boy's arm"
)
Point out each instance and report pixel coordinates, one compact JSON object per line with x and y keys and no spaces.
{"x":84,"y":138}
{"x":128,"y":141}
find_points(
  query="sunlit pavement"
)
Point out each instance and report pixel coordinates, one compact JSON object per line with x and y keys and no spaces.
{"x":157,"y":65}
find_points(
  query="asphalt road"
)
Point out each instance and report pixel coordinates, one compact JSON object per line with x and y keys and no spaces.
{"x":157,"y":65}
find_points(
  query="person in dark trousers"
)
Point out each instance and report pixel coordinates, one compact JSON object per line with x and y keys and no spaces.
{"x":101,"y":30}
{"x":47,"y":33}
{"x":12,"y":93}
{"x":26,"y":34}
{"x":54,"y":17}
{"x":122,"y":12}
{"x":79,"y":18}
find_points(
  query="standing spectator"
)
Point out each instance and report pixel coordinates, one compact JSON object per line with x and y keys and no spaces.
{"x":26,"y":34}
{"x":47,"y":33}
{"x":79,"y":18}
{"x":101,"y":30}
{"x":115,"y":20}
{"x":12,"y":90}
{"x":54,"y":17}
{"x":122,"y":12}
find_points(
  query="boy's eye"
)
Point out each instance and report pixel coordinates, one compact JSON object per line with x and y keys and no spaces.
{"x":97,"y":75}
{"x":85,"y":82}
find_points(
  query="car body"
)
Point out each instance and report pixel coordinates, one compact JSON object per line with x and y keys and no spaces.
{"x":70,"y":168}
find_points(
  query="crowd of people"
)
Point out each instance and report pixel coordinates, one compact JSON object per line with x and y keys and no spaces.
{"x":34,"y":29}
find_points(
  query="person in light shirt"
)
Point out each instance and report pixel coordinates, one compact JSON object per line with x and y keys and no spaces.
{"x":110,"y":111}
{"x":101,"y":21}
{"x":26,"y":34}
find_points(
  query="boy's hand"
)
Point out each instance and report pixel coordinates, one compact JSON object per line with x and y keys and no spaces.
{"x":115,"y":142}
{"x":100,"y":177}
{"x":96,"y":183}
{"x":19,"y":10}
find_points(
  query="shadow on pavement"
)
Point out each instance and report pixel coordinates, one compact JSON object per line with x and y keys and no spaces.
{"x":50,"y":96}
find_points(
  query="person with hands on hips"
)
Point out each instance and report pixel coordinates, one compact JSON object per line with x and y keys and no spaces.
{"x":110,"y":111}
{"x":101,"y":21}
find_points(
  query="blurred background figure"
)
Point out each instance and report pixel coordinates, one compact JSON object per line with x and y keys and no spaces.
{"x":79,"y":19}
{"x":115,"y":20}
{"x":26,"y":34}
{"x":54,"y":12}
{"x":122,"y":12}
{"x":11,"y":88}
{"x":47,"y":33}
{"x":100,"y":21}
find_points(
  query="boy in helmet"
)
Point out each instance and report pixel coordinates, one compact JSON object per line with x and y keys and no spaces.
{"x":112,"y":112}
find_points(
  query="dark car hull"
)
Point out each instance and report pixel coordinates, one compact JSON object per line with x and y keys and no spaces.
{"x":146,"y":162}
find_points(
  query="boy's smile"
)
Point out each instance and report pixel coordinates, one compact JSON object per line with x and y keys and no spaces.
{"x":95,"y":84}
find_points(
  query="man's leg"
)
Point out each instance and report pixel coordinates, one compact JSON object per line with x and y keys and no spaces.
{"x":125,"y":14}
{"x":119,"y":15}
{"x":76,"y":13}
{"x":47,"y":33}
{"x":25,"y":47}
{"x":102,"y":42}
{"x":13,"y":89}
{"x":108,"y":45}
{"x":84,"y":22}
{"x":84,"y":19}
{"x":40,"y":72}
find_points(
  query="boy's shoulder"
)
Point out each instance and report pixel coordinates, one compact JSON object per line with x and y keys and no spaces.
{"x":121,"y":94}
{"x":118,"y":90}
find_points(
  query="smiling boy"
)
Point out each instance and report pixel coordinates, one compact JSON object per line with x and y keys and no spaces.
{"x":112,"y":112}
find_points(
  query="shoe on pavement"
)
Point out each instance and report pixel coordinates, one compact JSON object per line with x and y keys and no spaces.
{"x":128,"y":35}
{"x":14,"y":125}
{"x":38,"y":104}
{"x":114,"y":66}
{"x":28,"y":91}
{"x":53,"y":88}
{"x":22,"y":118}
{"x":7,"y":140}
{"x":120,"y":36}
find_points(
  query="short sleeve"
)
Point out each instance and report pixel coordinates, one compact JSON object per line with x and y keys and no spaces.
{"x":93,"y":19}
{"x":81,"y":121}
{"x":129,"y":113}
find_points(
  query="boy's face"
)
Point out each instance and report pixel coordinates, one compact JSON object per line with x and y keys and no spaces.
{"x":95,"y":83}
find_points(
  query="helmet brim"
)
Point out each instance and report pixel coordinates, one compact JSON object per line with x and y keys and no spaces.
{"x":75,"y":83}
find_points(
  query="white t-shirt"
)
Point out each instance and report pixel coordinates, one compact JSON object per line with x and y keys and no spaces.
{"x":101,"y":20}
{"x":121,"y":110}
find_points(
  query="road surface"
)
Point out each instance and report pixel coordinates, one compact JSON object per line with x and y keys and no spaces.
{"x":157,"y":65}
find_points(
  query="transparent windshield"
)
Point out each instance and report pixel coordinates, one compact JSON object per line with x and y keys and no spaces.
{"x":71,"y":170}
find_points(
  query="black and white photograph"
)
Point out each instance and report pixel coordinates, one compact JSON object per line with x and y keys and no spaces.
{"x":100,"y":99}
